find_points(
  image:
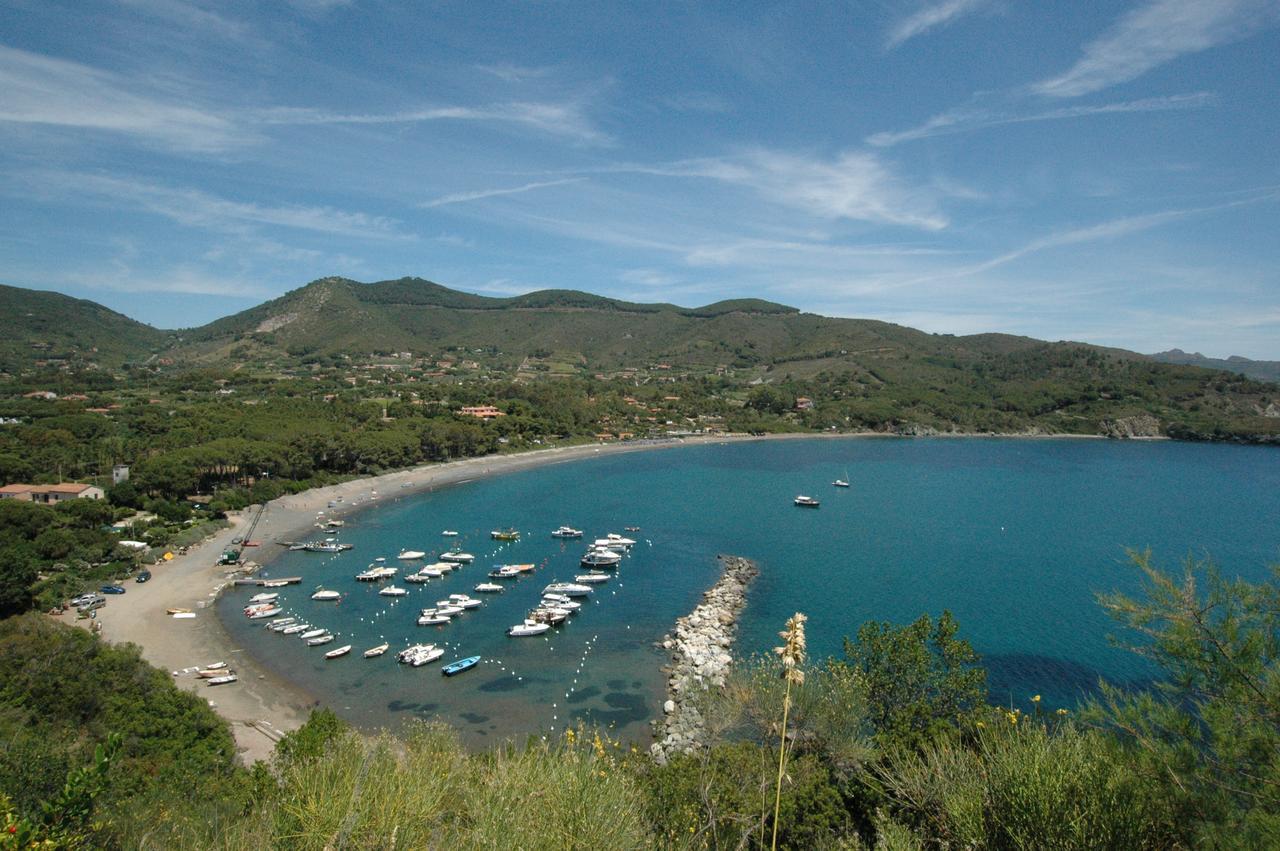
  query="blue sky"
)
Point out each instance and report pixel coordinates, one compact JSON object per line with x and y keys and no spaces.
{"x":1101,"y":171}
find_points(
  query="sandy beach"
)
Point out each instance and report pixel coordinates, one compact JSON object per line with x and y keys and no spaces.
{"x":261,"y":707}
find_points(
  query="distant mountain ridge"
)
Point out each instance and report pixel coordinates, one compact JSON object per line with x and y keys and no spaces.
{"x":1262,"y":370}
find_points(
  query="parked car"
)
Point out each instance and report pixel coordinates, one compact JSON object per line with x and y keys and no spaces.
{"x":112,"y":589}
{"x":89,"y":599}
{"x":143,"y":576}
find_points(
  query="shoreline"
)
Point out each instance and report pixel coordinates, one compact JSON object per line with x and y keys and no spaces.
{"x":263,"y":705}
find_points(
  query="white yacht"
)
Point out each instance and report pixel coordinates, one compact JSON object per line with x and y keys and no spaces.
{"x":465,"y":601}
{"x":393,"y":591}
{"x":568,"y":589}
{"x":561,"y":601}
{"x":567,"y":532}
{"x":448,"y":607}
{"x":529,"y":627}
{"x":614,"y":541}
{"x":430,"y":617}
{"x":449,"y":533}
{"x":323,"y":595}
{"x":456,"y":557}
{"x":419,"y":654}
{"x":489,"y":588}
{"x":601,"y":558}
{"x":592,"y":578}
{"x":806,"y":501}
{"x":410,"y":555}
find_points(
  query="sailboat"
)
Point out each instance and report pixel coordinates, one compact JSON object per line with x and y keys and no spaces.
{"x":842,"y":483}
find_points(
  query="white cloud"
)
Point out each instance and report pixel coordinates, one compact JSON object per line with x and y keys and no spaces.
{"x":461,"y":197}
{"x":1155,"y":33}
{"x":196,"y":208}
{"x":934,"y":15}
{"x":557,"y":119}
{"x":966,"y":120}
{"x":42,"y":90}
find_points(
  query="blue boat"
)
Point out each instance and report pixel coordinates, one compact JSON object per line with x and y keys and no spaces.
{"x":459,"y":666}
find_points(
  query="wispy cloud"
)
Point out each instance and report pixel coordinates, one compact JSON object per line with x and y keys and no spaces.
{"x":509,"y":73}
{"x":967,"y":120}
{"x":55,"y":92}
{"x":197,"y":208}
{"x":557,"y":119}
{"x":1155,"y":33}
{"x":462,"y":197}
{"x":934,"y":15}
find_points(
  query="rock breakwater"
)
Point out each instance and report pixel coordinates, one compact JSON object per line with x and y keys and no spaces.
{"x":700,"y":657}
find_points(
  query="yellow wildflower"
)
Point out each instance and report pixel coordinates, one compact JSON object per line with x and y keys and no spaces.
{"x":1013,"y":718}
{"x":982,"y":725}
{"x":1035,"y":699}
{"x":1062,"y":712}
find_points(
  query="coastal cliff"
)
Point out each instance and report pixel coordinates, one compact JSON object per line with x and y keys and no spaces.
{"x":700,"y":657}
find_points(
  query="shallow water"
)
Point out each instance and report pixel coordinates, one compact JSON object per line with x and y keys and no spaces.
{"x":1015,"y":537}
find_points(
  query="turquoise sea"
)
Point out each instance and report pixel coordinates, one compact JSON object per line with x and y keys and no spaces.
{"x":1014,"y":536}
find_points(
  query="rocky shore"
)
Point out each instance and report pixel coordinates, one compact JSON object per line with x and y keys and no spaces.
{"x":700,"y":657}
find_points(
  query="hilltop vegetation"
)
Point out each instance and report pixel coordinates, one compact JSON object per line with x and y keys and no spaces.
{"x":891,"y":746}
{"x":47,"y":327}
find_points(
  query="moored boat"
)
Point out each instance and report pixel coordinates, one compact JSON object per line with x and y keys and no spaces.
{"x":319,"y":639}
{"x":376,"y":651}
{"x":601,"y":558}
{"x":529,"y":627}
{"x":313,"y":633}
{"x":418,"y":655}
{"x":568,"y":589}
{"x":264,"y":598}
{"x":489,"y":588}
{"x":417,"y":577}
{"x":296,"y":628}
{"x":591,"y":578}
{"x":456,"y":557}
{"x":340,"y":651}
{"x":567,"y":532}
{"x":459,"y":666}
{"x":449,"y":533}
{"x":806,"y":501}
{"x":410,"y":555}
{"x":508,"y":534}
{"x":265,"y":613}
{"x":222,"y":681}
{"x":393,"y":591}
{"x":323,"y":595}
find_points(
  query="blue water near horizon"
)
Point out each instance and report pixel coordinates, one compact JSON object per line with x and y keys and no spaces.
{"x":1014,"y":537}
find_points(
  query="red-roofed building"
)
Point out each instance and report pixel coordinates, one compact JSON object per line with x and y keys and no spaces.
{"x":484,"y":412}
{"x":51,"y":494}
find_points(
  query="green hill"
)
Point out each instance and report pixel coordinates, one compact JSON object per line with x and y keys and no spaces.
{"x":51,"y":327}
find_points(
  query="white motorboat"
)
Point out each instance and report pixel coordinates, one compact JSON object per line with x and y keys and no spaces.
{"x":410,"y":555}
{"x":567,"y":532}
{"x":222,"y":681}
{"x":561,"y":601}
{"x":393,"y":591}
{"x":319,"y":639}
{"x":458,"y":558}
{"x":313,"y":633}
{"x":806,"y":501}
{"x":418,"y":655}
{"x":569,"y":589}
{"x":555,"y":617}
{"x":613,"y":541}
{"x":435,"y":571}
{"x":505,"y":571}
{"x":264,"y":598}
{"x":417,"y":577}
{"x":377,"y":573}
{"x":430,"y":617}
{"x":529,"y":627}
{"x":258,"y":607}
{"x":266,"y":613}
{"x":840,"y":483}
{"x":448,"y":607}
{"x":340,"y":651}
{"x":465,"y":601}
{"x":296,"y":628}
{"x":376,"y":651}
{"x":324,"y":595}
{"x":489,"y":588}
{"x":592,"y":578}
{"x":601,"y":558}
{"x":449,"y":533}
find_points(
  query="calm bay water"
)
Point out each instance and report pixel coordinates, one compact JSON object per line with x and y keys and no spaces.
{"x":1015,"y":537}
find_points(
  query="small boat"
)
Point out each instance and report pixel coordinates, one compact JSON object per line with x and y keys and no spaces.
{"x":567,"y":532}
{"x":177,"y":611}
{"x":419,"y":654}
{"x":376,"y":651}
{"x":456,"y":557}
{"x":489,"y":588}
{"x":313,"y":633}
{"x":222,"y":681}
{"x":555,"y":617}
{"x":410,"y":555}
{"x":601,"y":558}
{"x":449,"y":533}
{"x":591,"y":578}
{"x":430,"y":617}
{"x":320,"y":639}
{"x":559,"y":601}
{"x":323,"y":595}
{"x":508,"y":534}
{"x":258,"y":607}
{"x":840,"y":483}
{"x":568,"y":589}
{"x":448,"y":607}
{"x":393,"y":591}
{"x":459,"y":666}
{"x":529,"y":627}
{"x":265,"y":613}
{"x":275,"y":583}
{"x":264,"y":598}
{"x":281,"y":622}
{"x":613,"y":541}
{"x":464,"y":601}
{"x":340,"y":651}
{"x":210,"y":673}
{"x":326,"y":547}
{"x":631,"y":528}
{"x":806,"y":502}
{"x":281,"y":627}
{"x":213,"y":666}
{"x":504,"y":571}
{"x":417,"y":577}
{"x":296,"y":628}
